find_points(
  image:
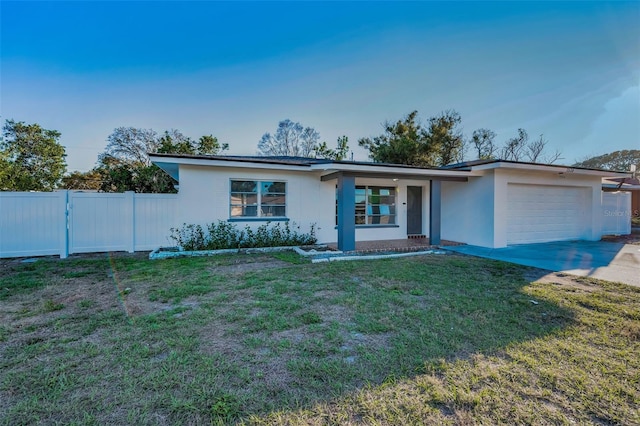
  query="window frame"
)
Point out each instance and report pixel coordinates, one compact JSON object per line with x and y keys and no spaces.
{"x":260,"y":204}
{"x":368,"y":207}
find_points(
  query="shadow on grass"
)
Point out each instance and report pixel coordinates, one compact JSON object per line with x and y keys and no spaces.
{"x":265,"y":341}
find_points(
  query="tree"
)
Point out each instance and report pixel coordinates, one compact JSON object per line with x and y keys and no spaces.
{"x":6,"y":172}
{"x":131,"y":145}
{"x":400,"y":143}
{"x":445,"y":142}
{"x":514,"y":148}
{"x":408,"y":142}
{"x":483,"y":142}
{"x":340,"y":153}
{"x":125,"y":163}
{"x":31,"y":158}
{"x":519,"y":148}
{"x":290,"y":139}
{"x":535,"y":152}
{"x":617,"y":160}
{"x":209,"y":145}
{"x":174,"y":142}
{"x":90,"y":180}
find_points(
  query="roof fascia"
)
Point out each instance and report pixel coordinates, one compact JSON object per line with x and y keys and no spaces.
{"x":548,"y":168}
{"x":390,"y":171}
{"x":229,"y":163}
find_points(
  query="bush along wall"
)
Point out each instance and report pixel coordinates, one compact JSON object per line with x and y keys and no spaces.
{"x":225,"y":235}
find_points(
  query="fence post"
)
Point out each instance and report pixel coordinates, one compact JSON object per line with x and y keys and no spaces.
{"x":131,"y":203}
{"x":64,"y":225}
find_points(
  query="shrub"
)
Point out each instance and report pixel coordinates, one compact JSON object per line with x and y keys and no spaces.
{"x":225,"y":235}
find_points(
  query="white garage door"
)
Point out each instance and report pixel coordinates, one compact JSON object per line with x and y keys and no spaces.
{"x":538,"y":213}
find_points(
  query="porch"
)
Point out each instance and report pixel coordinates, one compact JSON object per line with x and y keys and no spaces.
{"x":396,"y":246}
{"x":413,"y":207}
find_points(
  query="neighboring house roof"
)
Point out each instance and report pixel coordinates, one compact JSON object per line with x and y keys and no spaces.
{"x":627,"y":184}
{"x":460,"y":171}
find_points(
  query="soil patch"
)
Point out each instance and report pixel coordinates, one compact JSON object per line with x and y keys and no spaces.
{"x":243,"y":265}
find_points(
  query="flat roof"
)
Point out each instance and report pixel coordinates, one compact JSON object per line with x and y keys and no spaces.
{"x":170,"y":163}
{"x":494,"y":163}
{"x":460,"y":171}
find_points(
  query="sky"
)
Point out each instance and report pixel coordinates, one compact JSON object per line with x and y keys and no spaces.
{"x":567,"y":71}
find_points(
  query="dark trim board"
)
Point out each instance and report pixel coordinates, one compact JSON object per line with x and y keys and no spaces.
{"x":390,"y":175}
{"x":372,"y":226}
{"x":435,"y":211}
{"x":346,"y":213}
{"x":258,"y":219}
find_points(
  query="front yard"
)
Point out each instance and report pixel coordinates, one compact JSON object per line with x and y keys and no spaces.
{"x":119,"y":339}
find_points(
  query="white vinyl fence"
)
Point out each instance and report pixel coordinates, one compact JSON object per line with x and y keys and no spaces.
{"x":616,"y":211}
{"x":65,"y":222}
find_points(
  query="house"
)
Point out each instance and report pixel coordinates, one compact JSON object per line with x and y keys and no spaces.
{"x":490,"y":203}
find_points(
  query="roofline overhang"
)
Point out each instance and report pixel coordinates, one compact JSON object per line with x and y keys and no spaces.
{"x":389,"y":171}
{"x":170,"y":164}
{"x":395,"y":176}
{"x":616,"y":188}
{"x":553,"y":168}
{"x":203,"y":161}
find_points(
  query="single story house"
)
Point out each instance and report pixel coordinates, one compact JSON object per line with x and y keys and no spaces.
{"x":490,"y":203}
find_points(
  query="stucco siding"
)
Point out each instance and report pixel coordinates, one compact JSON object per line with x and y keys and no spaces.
{"x":467,"y":211}
{"x":474,"y":212}
{"x":204,"y":197}
{"x":478,"y":212}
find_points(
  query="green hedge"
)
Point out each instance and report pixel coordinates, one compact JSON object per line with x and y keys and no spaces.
{"x":225,"y":235}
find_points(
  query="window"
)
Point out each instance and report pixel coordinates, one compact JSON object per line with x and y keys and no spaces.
{"x":375,"y":205}
{"x":251,"y":198}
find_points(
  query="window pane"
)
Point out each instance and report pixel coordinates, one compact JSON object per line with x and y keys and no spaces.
{"x":382,"y":199}
{"x":273,"y":199}
{"x":273,"y":187}
{"x":251,"y":211}
{"x":244,"y":198}
{"x":381,"y":209}
{"x":278,"y":211}
{"x":244,"y":186}
{"x":360,"y":220}
{"x":381,"y":195}
{"x":381,"y":220}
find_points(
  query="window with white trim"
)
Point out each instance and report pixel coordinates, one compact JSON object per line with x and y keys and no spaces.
{"x":255,"y":198}
{"x":375,"y":205}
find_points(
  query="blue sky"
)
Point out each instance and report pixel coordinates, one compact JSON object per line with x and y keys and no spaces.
{"x":570,"y":71}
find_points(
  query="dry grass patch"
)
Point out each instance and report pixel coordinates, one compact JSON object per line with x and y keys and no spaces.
{"x":271,"y":339}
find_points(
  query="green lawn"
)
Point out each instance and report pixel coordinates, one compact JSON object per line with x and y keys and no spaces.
{"x":272,"y":339}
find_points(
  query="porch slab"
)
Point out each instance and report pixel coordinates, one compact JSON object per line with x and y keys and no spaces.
{"x":399,"y":246}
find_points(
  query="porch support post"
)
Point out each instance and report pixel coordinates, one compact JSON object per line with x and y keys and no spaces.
{"x":435,"y":190}
{"x":346,"y":213}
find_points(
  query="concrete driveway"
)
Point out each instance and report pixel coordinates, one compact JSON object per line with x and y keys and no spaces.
{"x":598,"y":259}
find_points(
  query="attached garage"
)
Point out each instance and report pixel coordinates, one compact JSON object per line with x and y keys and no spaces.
{"x":541,"y":213}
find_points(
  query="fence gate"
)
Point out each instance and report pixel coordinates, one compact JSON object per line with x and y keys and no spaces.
{"x":100,"y":222}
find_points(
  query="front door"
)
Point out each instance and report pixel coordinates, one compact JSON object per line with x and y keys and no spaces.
{"x":414,"y":210}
